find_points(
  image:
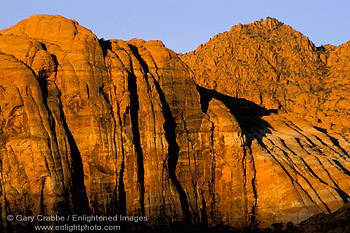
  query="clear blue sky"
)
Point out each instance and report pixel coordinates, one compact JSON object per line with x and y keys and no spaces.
{"x":184,"y":24}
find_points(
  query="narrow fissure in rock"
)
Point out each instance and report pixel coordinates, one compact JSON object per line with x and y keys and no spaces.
{"x":42,"y":206}
{"x":253,"y":223}
{"x":204,"y":216}
{"x":121,"y":192}
{"x":79,"y":196}
{"x":246,"y":204}
{"x":134,"y":111}
{"x":173,"y":151}
{"x":213,"y":186}
{"x":121,"y":187}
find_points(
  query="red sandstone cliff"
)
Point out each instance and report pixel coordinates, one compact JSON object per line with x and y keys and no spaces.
{"x":107,"y":127}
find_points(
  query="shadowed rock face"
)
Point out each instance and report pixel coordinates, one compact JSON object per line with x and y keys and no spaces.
{"x":89,"y":126}
{"x":335,"y":222}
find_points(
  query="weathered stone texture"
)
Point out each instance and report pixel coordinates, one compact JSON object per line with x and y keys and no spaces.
{"x":90,"y":126}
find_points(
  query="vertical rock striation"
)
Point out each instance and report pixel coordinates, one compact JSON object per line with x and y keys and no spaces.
{"x":90,"y":126}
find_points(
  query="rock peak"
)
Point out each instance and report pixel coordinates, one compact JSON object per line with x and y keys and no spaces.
{"x":269,"y":22}
{"x":269,"y":52}
{"x":49,"y":17}
{"x":44,"y":27}
{"x":272,"y":19}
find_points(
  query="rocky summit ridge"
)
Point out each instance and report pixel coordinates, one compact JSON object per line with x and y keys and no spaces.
{"x":273,"y":65}
{"x":247,"y":131}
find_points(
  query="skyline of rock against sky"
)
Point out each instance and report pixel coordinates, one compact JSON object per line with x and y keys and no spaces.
{"x":183,"y":25}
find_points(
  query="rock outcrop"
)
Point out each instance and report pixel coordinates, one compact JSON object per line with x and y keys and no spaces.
{"x":273,"y":65}
{"x":89,"y":126}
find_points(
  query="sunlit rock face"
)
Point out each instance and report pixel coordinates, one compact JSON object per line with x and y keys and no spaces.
{"x":271,"y":64}
{"x":89,"y":126}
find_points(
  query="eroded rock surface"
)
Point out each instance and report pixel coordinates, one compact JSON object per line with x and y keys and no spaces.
{"x":100,"y":127}
{"x":273,"y":65}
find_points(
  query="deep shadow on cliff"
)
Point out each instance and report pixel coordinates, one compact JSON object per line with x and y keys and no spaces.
{"x":247,"y":113}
